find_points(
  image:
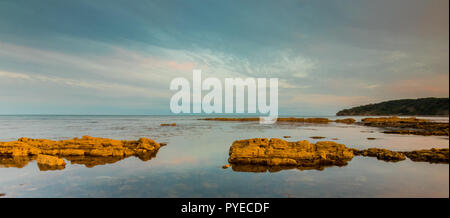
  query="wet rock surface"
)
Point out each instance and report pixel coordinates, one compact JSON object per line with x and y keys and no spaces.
{"x":47,"y":162}
{"x":381,"y":154}
{"x":262,"y":155}
{"x":168,"y":124}
{"x":317,"y":137}
{"x":429,"y":155}
{"x":409,"y":125}
{"x":90,"y":151}
{"x":277,"y":152}
{"x":346,"y":121}
{"x":281,"y":119}
{"x":284,"y":119}
{"x":417,"y":132}
{"x":226,"y":166}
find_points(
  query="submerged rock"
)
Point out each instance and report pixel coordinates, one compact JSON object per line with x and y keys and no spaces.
{"x":432,"y":155}
{"x":87,"y":150}
{"x":278,"y":152}
{"x":380,"y":154}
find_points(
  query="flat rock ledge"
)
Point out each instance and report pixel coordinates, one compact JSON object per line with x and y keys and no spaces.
{"x":429,"y":155}
{"x":278,"y":152}
{"x":380,"y":154}
{"x":284,"y":119}
{"x":408,"y":125}
{"x":262,"y":154}
{"x":87,"y":150}
{"x":280,"y":119}
{"x":47,"y":162}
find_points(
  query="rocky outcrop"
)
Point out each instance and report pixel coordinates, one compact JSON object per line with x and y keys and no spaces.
{"x":317,"y":137}
{"x":380,"y":154}
{"x":87,"y":150}
{"x":346,"y":121}
{"x":281,"y":119}
{"x":277,"y":152}
{"x":418,"y":132}
{"x":47,"y":162}
{"x":262,"y":155}
{"x":168,"y":124}
{"x":409,"y":125}
{"x":284,"y":119}
{"x":393,"y":121}
{"x":431,"y":155}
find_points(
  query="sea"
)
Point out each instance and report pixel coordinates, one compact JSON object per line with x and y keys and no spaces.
{"x":190,"y":165}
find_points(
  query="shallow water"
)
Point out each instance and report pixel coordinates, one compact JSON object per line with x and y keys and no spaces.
{"x":190,"y":164}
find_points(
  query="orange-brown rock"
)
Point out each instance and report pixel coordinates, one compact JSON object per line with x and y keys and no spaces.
{"x":380,"y":154}
{"x":417,"y":132}
{"x":278,"y":152}
{"x":93,"y":150}
{"x":281,"y":119}
{"x":226,"y":166}
{"x":47,"y":162}
{"x":410,"y":125}
{"x":346,"y":121}
{"x":393,"y":120}
{"x":433,"y":155}
{"x":168,"y":124}
{"x":317,"y":137}
{"x":262,"y":155}
{"x":85,"y":146}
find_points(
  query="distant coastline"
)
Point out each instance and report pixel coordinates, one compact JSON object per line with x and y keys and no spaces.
{"x":403,"y":107}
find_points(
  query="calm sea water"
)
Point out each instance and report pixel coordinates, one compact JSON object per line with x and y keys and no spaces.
{"x":190,"y":164}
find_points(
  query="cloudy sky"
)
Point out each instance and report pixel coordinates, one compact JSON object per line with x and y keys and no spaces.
{"x":118,"y":57}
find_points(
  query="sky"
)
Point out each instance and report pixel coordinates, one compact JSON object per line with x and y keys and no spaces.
{"x":118,"y":57}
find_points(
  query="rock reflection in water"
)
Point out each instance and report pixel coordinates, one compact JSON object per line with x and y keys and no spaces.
{"x":88,"y":151}
{"x":273,"y":169}
{"x":17,"y":162}
{"x":87,"y":161}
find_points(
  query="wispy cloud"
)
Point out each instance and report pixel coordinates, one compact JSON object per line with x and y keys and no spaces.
{"x":125,"y":55}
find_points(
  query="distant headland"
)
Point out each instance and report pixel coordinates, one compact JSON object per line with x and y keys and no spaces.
{"x":408,"y":107}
